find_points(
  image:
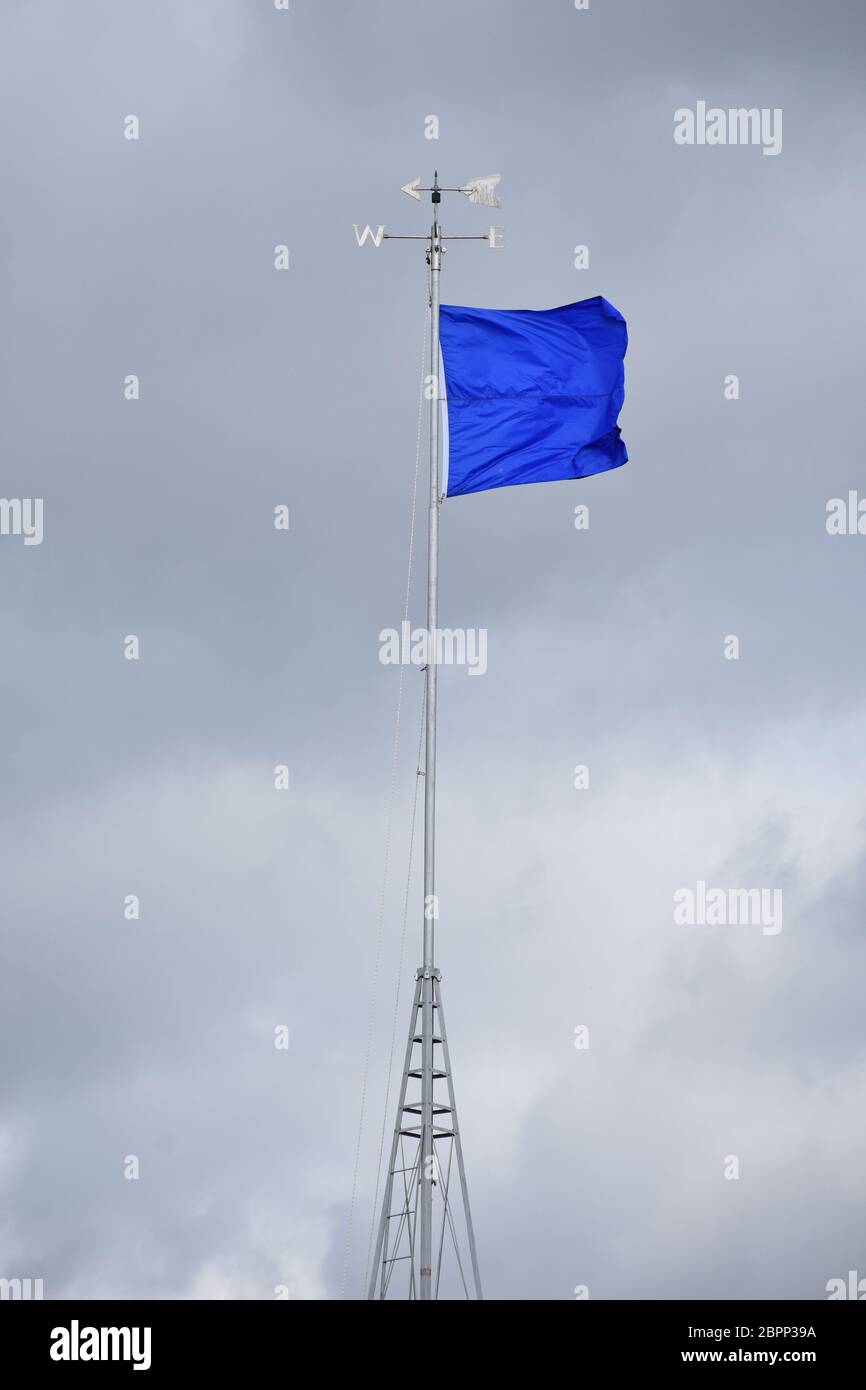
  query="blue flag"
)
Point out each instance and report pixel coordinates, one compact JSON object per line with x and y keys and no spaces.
{"x":531,"y":395}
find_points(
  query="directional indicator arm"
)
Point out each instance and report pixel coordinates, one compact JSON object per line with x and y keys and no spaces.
{"x":443,"y":236}
{"x":479,"y":190}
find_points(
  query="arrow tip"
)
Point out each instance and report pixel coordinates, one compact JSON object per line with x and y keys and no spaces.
{"x":412,"y":189}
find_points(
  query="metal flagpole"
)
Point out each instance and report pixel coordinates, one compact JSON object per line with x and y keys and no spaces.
{"x":414,"y":1218}
{"x":428,"y":1161}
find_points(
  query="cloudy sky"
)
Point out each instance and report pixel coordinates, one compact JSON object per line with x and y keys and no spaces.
{"x":606,"y":647}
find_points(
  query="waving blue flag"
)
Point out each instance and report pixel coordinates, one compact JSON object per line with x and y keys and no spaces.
{"x":531,"y":395}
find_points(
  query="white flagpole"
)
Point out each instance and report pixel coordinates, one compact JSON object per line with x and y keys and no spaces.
{"x":427,"y":1000}
{"x":428,"y":1161}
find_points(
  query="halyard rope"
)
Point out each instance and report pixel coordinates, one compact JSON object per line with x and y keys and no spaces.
{"x":388,"y":823}
{"x":395,"y":1020}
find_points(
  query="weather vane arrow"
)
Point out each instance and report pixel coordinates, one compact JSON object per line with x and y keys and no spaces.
{"x":479,"y":190}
